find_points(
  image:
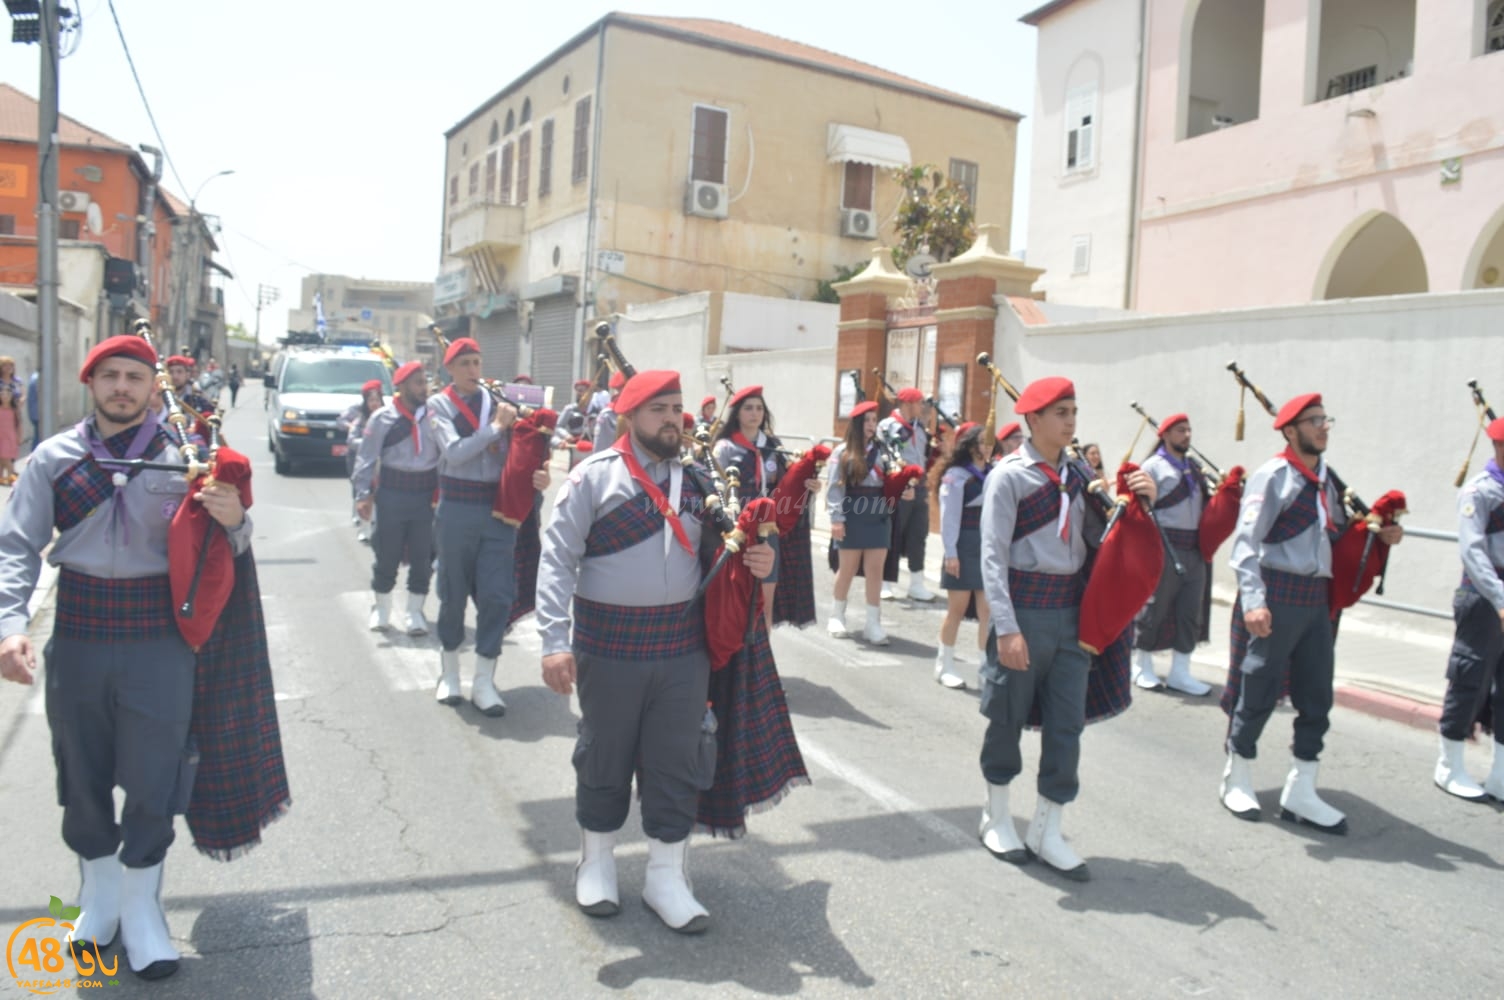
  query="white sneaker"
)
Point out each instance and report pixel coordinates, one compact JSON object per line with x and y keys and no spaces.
{"x":1180,"y":678}
{"x":1237,"y":787}
{"x":837,"y":624}
{"x":887,"y":593}
{"x":483,"y":693}
{"x":917,"y":590}
{"x":666,"y":888}
{"x":1143,"y":671}
{"x":1299,"y":802}
{"x":381,"y":612}
{"x":415,"y":624}
{"x":143,"y":925}
{"x":874,"y":633}
{"x":945,"y":669}
{"x":595,"y":876}
{"x":1451,"y":773}
{"x":448,"y":692}
{"x":1049,"y":845}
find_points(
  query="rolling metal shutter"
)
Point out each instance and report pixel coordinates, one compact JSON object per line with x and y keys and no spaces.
{"x":553,"y":345}
{"x":498,"y":335}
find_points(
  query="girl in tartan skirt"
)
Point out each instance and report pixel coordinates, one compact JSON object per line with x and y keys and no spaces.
{"x":960,"y":493}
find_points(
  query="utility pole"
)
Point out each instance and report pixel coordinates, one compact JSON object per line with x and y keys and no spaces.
{"x":265,"y":296}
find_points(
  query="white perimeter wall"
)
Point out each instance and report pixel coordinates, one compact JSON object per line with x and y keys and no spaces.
{"x":1393,"y":372}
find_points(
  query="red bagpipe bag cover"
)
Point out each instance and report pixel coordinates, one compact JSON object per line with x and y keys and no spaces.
{"x":191,"y":530}
{"x":1124,"y":574}
{"x":1347,"y":552}
{"x":532,"y":438}
{"x":791,"y":495}
{"x":894,"y":483}
{"x":1221,"y":514}
{"x":728,"y":596}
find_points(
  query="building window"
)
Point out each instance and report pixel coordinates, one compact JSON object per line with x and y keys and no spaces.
{"x":524,"y":157}
{"x":1080,"y":130}
{"x":1080,"y":254}
{"x":7,"y":225}
{"x":67,"y":229}
{"x":506,"y":173}
{"x":495,"y":133}
{"x":511,"y":122}
{"x":707,"y":158}
{"x":580,"y":162}
{"x":527,"y":110}
{"x":474,"y":179}
{"x":491,"y":175}
{"x":1361,"y":44}
{"x":856,"y":189}
{"x":1494,"y":37}
{"x":546,"y":158}
{"x":965,"y":174}
{"x":454,"y":190}
{"x":1221,"y":86}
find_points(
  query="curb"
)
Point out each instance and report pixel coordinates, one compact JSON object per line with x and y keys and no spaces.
{"x":1406,"y":711}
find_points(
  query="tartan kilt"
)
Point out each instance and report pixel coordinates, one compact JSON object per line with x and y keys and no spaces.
{"x":241,"y":784}
{"x":794,"y":600}
{"x":757,"y":755}
{"x":525,"y":555}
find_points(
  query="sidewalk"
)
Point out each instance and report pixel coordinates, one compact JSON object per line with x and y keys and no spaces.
{"x":1389,"y":671}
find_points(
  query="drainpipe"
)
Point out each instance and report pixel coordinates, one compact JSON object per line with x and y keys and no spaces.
{"x":587,"y":294}
{"x":1135,"y":195}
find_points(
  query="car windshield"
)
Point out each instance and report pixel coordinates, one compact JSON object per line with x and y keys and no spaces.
{"x":334,"y":375}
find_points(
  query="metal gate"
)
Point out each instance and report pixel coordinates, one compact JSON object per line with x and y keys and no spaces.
{"x":553,"y":345}
{"x":498,"y":335}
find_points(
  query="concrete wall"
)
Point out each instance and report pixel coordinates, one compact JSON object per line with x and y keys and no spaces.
{"x":1392,"y":370}
{"x":758,"y":323}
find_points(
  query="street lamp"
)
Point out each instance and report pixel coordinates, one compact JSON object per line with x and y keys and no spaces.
{"x":194,"y":200}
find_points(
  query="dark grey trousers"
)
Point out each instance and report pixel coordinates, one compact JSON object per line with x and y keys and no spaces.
{"x":1177,"y":598}
{"x":1302,"y":644}
{"x":1057,"y":674}
{"x":119,"y":715}
{"x":475,"y":561}
{"x":1474,"y":669}
{"x":404,"y":526}
{"x":914,"y":527}
{"x":646,"y":711}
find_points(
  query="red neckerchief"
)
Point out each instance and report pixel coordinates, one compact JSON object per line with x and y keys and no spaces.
{"x":1053,"y":476}
{"x":1305,"y":470}
{"x":624,"y":447}
{"x":739,"y":438}
{"x":412,"y":419}
{"x":462,"y":406}
{"x":902,"y":422}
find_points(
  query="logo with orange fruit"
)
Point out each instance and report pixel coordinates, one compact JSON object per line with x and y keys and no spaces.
{"x":42,"y":957}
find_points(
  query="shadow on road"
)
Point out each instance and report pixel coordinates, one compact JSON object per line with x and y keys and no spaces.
{"x":1375,"y":834}
{"x":817,"y":701}
{"x":1164,"y":889}
{"x":533,"y":713}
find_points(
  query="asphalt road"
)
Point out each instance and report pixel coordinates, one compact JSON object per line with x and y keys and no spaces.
{"x":430,"y":850}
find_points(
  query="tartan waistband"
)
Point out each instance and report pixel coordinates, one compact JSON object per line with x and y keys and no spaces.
{"x":407,"y":480}
{"x":103,"y":610}
{"x":466,"y":491}
{"x":1045,"y":590}
{"x":1294,"y":589}
{"x":1183,"y":538}
{"x":646,"y":633}
{"x":971,"y":517}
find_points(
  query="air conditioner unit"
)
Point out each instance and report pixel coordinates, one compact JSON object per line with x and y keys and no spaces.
{"x":858,"y":223}
{"x":706,"y":199}
{"x":72,"y":201}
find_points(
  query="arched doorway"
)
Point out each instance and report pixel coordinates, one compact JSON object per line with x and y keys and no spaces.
{"x":1375,"y":255}
{"x":1485,"y":266}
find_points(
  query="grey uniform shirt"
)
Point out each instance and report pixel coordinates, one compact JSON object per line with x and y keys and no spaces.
{"x":836,"y":494}
{"x":605,"y":429}
{"x":1043,"y":551}
{"x":96,"y":546}
{"x":478,"y":457}
{"x":1185,"y":515}
{"x":644,"y":575}
{"x":402,"y":456}
{"x":1481,"y":552}
{"x":952,"y":499}
{"x":917,"y":439}
{"x":1268,"y":494}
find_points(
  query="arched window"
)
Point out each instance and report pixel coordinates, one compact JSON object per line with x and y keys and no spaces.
{"x":1222,"y":65}
{"x":1082,"y":128}
{"x":1494,"y":40}
{"x":511,"y":123}
{"x":527,"y":110}
{"x":1375,"y":255}
{"x":495,"y":133}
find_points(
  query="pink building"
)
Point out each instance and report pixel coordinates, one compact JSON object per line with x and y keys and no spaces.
{"x":1263,"y":152}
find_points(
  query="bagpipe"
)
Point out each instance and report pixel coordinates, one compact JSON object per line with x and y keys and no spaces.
{"x":200,"y":559}
{"x":932,"y":447}
{"x":1486,"y":416}
{"x":387,"y":358}
{"x":897,"y":475}
{"x":1224,"y":493}
{"x":1359,"y":556}
{"x":1130,"y":557}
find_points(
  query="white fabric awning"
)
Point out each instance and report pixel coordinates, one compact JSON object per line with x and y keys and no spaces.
{"x":849,"y":144}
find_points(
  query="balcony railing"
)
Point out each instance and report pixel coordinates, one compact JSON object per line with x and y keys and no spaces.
{"x":486,"y":225}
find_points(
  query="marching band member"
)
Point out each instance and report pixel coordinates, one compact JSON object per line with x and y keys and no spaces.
{"x":1176,"y":615}
{"x":706,"y":417}
{"x":353,"y":423}
{"x":1475,"y":669}
{"x":572,"y":425}
{"x":400,"y":439}
{"x":903,"y":424}
{"x":1033,"y":553}
{"x":1281,"y":622}
{"x":180,"y":369}
{"x":475,"y":549}
{"x":1009,"y":438}
{"x":605,"y":419}
{"x":121,"y":699}
{"x":960,"y":493}
{"x":625,"y":544}
{"x":860,"y":519}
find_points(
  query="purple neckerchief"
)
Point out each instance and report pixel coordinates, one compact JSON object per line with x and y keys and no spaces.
{"x":1182,"y":464}
{"x":981,"y":474}
{"x":102,"y":456}
{"x":1492,"y":468}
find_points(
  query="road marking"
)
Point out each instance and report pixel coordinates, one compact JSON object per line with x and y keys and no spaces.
{"x":853,"y":655}
{"x":883,"y":794}
{"x":407,"y":663}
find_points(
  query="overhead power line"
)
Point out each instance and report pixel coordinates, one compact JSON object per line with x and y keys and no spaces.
{"x":161,"y":142}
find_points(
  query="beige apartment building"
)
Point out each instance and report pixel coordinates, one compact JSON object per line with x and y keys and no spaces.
{"x":397,"y":313}
{"x":649,"y":157}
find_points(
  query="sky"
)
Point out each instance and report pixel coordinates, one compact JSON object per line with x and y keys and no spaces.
{"x":331,"y":113}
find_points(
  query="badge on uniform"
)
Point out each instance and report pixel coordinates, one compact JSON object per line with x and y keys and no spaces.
{"x":1467,"y":509}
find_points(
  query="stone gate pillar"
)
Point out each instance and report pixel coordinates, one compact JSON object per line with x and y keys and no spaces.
{"x":862,"y":332}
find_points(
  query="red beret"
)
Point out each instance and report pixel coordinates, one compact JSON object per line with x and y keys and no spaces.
{"x":909,"y":394}
{"x":965,"y":427}
{"x":1007,"y":430}
{"x":862,"y":409}
{"x":689,"y":421}
{"x":1294,"y":408}
{"x":1495,"y":430}
{"x":617,"y":380}
{"x":745,"y":393}
{"x":1171,"y":421}
{"x":706,"y":401}
{"x":460,"y":348}
{"x":122,"y":346}
{"x":645,"y":386}
{"x":582,"y":383}
{"x":523,"y":380}
{"x":178,"y":359}
{"x":374,"y":383}
{"x":1044,"y":392}
{"x":406,"y":372}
